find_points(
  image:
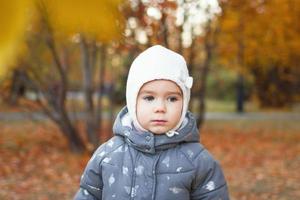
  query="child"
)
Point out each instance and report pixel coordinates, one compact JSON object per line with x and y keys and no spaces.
{"x":155,"y":153}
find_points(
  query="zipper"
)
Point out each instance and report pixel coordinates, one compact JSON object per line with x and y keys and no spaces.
{"x":133,"y":177}
{"x":154,"y":175}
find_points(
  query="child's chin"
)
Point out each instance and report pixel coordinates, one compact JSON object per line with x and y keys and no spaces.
{"x":159,"y":131}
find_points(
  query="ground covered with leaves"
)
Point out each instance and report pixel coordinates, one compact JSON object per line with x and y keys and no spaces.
{"x":261,"y":159}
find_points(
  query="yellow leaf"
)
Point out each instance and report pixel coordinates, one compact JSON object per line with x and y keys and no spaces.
{"x":98,"y":18}
{"x":14,"y":17}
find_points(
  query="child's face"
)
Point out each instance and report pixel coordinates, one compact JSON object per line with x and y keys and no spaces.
{"x":159,"y":106}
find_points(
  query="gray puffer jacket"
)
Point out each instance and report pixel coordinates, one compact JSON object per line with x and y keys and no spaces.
{"x":142,"y":166}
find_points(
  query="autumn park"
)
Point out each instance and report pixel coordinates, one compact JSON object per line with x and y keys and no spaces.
{"x":63,"y":72}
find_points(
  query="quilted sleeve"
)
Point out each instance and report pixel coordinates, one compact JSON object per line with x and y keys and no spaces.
{"x":209,"y":182}
{"x":91,"y":180}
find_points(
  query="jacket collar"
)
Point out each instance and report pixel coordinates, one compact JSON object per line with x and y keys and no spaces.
{"x":148,"y":142}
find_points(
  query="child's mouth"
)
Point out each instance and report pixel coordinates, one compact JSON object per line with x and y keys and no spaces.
{"x":158,"y":122}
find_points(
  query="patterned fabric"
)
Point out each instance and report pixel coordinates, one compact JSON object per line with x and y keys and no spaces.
{"x":142,"y":166}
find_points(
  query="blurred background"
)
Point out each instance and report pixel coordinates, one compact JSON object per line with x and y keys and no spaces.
{"x":63,"y":69}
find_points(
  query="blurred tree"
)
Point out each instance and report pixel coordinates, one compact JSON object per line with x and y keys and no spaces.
{"x":176,"y":25}
{"x":90,"y":26}
{"x":262,"y":38}
{"x":199,"y":25}
{"x":209,"y":47}
{"x":144,"y":28}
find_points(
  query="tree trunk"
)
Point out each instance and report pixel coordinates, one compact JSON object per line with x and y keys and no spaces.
{"x":18,"y":86}
{"x":54,"y":92}
{"x":240,"y":94}
{"x":101,"y":86}
{"x":58,"y":100}
{"x":240,"y":79}
{"x":165,"y":29}
{"x":90,"y":118}
{"x":209,"y":44}
{"x":75,"y":142}
{"x":60,"y":117}
{"x":203,"y":81}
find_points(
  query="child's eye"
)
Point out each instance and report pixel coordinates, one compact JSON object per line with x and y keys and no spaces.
{"x":172,"y":99}
{"x":148,"y":98}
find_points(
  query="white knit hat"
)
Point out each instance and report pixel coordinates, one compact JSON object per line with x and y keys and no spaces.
{"x":156,"y":63}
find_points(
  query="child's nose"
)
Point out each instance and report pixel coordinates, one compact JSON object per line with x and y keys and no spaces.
{"x":160,"y":106}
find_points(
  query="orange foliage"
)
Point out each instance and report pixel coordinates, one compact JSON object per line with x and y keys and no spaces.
{"x":263,"y":38}
{"x":269,"y":31}
{"x":36,"y":163}
{"x":260,"y":160}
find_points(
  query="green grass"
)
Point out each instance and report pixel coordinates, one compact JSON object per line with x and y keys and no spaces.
{"x":214,"y":105}
{"x":245,"y":125}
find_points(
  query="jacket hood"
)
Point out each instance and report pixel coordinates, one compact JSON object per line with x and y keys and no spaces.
{"x":147,"y":142}
{"x":157,"y":63}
